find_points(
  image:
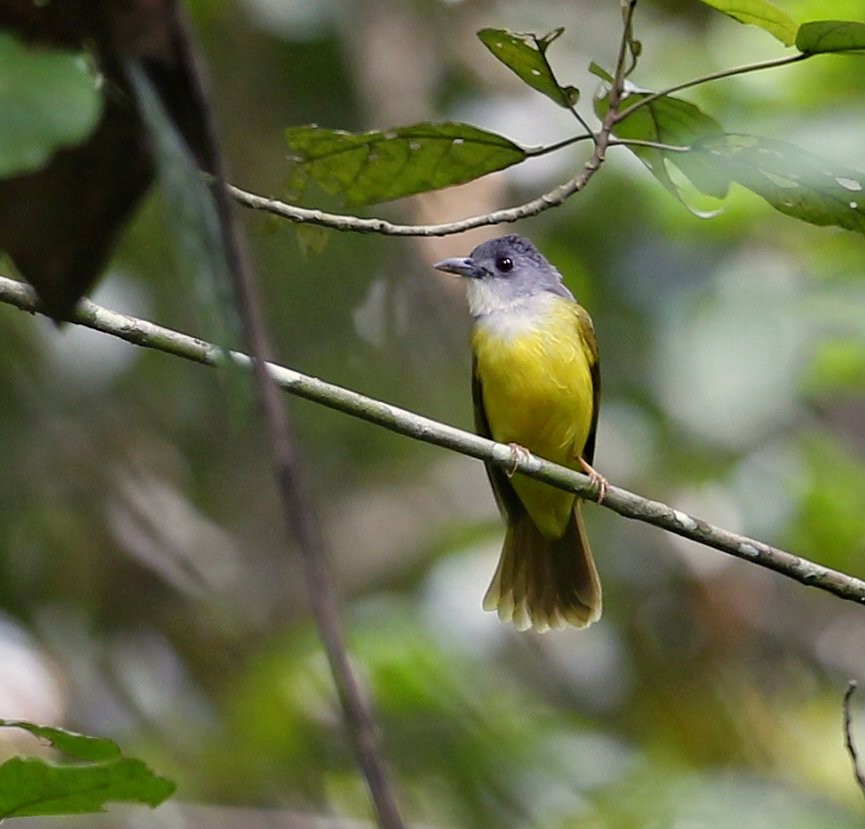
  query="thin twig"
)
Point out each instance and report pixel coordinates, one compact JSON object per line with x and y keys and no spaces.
{"x":848,"y":736}
{"x":652,"y":145}
{"x":552,"y":198}
{"x":356,"y":224}
{"x":714,"y":76}
{"x":297,"y":506}
{"x":546,"y":149}
{"x":147,"y":334}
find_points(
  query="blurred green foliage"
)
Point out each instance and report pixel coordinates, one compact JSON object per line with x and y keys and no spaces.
{"x":49,"y":100}
{"x":31,"y":786}
{"x":145,"y":587}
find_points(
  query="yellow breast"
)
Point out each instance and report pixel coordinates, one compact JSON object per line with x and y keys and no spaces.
{"x":536,"y":381}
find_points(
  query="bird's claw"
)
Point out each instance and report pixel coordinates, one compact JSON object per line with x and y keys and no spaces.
{"x":518,"y":453}
{"x":598,"y":481}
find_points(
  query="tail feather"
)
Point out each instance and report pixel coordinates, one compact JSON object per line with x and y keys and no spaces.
{"x":542,"y":583}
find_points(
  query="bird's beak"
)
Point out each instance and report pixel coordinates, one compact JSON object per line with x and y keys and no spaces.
{"x":461,"y":266}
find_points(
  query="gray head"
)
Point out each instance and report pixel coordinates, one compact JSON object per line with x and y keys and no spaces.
{"x":505,"y":273}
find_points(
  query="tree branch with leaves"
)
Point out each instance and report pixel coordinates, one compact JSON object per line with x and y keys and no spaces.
{"x":673,"y":138}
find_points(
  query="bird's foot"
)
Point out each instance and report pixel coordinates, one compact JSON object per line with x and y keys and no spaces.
{"x":596,"y":479}
{"x":518,"y":453}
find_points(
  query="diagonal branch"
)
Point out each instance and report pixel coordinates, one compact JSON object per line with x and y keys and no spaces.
{"x":628,"y":504}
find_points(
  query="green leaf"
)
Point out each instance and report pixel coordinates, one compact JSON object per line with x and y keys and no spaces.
{"x":81,"y":746}
{"x":759,"y":13}
{"x":31,"y":786}
{"x":49,"y":99}
{"x":675,"y":122}
{"x":599,"y":72}
{"x":525,"y":55}
{"x":791,"y":179}
{"x":831,"y":36}
{"x":34,"y":787}
{"x":369,"y":167}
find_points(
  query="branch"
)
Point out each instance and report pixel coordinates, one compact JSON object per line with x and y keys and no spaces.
{"x":297,"y":508}
{"x":552,"y":198}
{"x":356,"y":224}
{"x":628,"y":504}
{"x":848,"y":736}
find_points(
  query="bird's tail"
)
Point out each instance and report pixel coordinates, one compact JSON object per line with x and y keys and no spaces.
{"x":543,"y":583}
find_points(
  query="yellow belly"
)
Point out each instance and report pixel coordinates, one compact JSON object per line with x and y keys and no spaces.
{"x":537,"y":392}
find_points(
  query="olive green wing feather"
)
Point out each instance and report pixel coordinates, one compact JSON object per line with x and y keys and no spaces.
{"x":587,"y":333}
{"x":506,"y":497}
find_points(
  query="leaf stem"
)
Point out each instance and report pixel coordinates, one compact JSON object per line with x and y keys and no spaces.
{"x":654,"y":145}
{"x":714,"y":76}
{"x":535,"y":152}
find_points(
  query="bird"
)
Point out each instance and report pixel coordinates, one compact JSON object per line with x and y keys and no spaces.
{"x":536,"y":385}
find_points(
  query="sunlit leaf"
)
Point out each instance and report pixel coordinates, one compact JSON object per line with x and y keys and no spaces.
{"x":48,"y":99}
{"x":792,"y":180}
{"x":525,"y":55}
{"x":760,"y":13}
{"x":831,"y":36}
{"x":31,"y":786}
{"x":676,"y":123}
{"x":369,"y":167}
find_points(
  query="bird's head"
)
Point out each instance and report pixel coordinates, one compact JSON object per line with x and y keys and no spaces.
{"x":503,"y":273}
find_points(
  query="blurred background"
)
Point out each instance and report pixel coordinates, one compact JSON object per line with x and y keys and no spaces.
{"x":146,"y":590}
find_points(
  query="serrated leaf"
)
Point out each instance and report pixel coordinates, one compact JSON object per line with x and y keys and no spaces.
{"x":31,"y":786}
{"x":370,"y":167}
{"x":77,"y":745}
{"x":49,"y":99}
{"x":671,"y":121}
{"x":760,"y":13}
{"x":525,"y":56}
{"x":821,"y":36}
{"x":791,"y":179}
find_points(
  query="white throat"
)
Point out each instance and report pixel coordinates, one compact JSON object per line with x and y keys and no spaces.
{"x":506,"y":316}
{"x":487,"y":297}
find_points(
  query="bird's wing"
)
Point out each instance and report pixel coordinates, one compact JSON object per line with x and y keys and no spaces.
{"x":507,"y":499}
{"x":587,"y":332}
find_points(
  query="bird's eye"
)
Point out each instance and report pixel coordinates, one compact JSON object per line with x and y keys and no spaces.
{"x":505,"y":264}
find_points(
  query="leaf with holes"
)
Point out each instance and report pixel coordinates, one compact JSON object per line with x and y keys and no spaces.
{"x":822,"y":36}
{"x":673,"y":122}
{"x":368,"y":167}
{"x":760,"y":13}
{"x":526,"y":56}
{"x":32,"y":786}
{"x":791,"y":179}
